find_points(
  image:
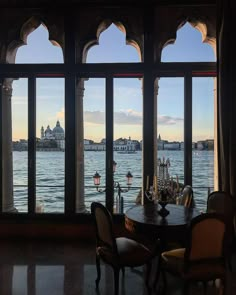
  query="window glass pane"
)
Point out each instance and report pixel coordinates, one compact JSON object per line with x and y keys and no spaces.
{"x":113,"y":48}
{"x":19,"y":145}
{"x":188,"y":47}
{"x":170,"y":128}
{"x":203,"y":139}
{"x":50,"y":156}
{"x":127,"y":141}
{"x":94,"y":140}
{"x":39,"y":49}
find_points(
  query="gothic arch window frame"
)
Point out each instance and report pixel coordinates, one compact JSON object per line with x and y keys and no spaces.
{"x":188,"y":71}
{"x":70,"y":70}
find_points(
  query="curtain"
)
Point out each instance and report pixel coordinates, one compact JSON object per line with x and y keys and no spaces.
{"x":226,"y":68}
{"x":226,"y":86}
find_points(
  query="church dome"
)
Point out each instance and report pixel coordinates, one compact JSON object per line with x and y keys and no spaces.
{"x":58,"y":129}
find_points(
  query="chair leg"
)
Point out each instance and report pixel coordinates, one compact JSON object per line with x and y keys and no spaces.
{"x":205,"y":287}
{"x":164,"y":281}
{"x":148,"y":273}
{"x":123,"y":271}
{"x":98,"y":271}
{"x":223,"y":286}
{"x":186,"y":288}
{"x":116,"y":280}
{"x":230,"y":263}
{"x":158,"y":270}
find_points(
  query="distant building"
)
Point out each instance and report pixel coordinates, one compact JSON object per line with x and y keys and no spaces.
{"x":88,"y":141}
{"x":123,"y":144}
{"x":120,"y":144}
{"x":172,"y":146}
{"x":201,"y":145}
{"x":52,"y":138}
{"x":21,"y":145}
{"x":166,"y":145}
{"x":160,"y":143}
{"x":210,"y":144}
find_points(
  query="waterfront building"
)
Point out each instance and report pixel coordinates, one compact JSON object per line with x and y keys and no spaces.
{"x":93,"y":146}
{"x":160,"y":143}
{"x":210,"y":144}
{"x":171,"y":146}
{"x":52,"y":139}
{"x":201,"y":145}
{"x":21,"y":145}
{"x":88,"y":141}
{"x":120,"y":144}
{"x":123,"y":144}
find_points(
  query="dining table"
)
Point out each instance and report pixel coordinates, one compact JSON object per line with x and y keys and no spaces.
{"x":147,"y":220}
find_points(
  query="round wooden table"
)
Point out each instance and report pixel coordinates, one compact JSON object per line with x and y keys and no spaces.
{"x":146,"y":220}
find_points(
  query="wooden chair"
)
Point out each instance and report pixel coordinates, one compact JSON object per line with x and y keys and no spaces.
{"x":187,"y":197}
{"x":118,"y":252}
{"x":203,"y":258}
{"x":222,"y":202}
{"x":185,"y":200}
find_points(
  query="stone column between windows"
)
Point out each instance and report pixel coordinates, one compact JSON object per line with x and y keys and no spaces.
{"x":7,"y":161}
{"x":79,"y":141}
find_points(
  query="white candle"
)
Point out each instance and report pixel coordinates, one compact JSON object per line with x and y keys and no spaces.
{"x":177,"y":182}
{"x":155,"y":183}
{"x":147,"y":184}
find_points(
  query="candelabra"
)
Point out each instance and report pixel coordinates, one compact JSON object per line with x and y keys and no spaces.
{"x":163,"y":173}
{"x":164,"y":188}
{"x":116,"y":185}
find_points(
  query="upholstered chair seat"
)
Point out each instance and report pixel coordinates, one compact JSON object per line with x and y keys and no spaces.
{"x":173,"y":261}
{"x":129,"y":253}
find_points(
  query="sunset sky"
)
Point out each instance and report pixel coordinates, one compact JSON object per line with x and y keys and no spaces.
{"x":127,"y":91}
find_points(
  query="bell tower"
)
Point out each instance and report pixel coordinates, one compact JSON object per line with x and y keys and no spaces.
{"x":42,"y":132}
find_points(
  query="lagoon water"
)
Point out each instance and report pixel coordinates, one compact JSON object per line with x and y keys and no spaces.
{"x":50,"y":176}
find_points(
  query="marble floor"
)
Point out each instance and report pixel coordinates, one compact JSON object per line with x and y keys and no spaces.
{"x":68,"y":268}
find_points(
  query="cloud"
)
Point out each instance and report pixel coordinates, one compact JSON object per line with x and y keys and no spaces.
{"x":61,"y":114}
{"x":96,"y":117}
{"x":168,"y":120}
{"x":127,"y":117}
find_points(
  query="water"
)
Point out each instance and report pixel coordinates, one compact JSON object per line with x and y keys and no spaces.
{"x":50,"y":177}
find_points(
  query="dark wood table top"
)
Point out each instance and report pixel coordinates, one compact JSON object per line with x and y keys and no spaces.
{"x":146,"y":219}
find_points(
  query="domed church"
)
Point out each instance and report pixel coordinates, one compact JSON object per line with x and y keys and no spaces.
{"x":57,"y":134}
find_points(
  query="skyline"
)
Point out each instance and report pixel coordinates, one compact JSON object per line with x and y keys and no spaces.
{"x":127,"y":91}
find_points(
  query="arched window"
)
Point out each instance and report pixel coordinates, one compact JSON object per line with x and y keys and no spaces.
{"x":188,"y":115}
{"x":50,"y":130}
{"x":126,"y":133}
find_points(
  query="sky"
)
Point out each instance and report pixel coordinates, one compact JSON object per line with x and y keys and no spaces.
{"x":127,"y":91}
